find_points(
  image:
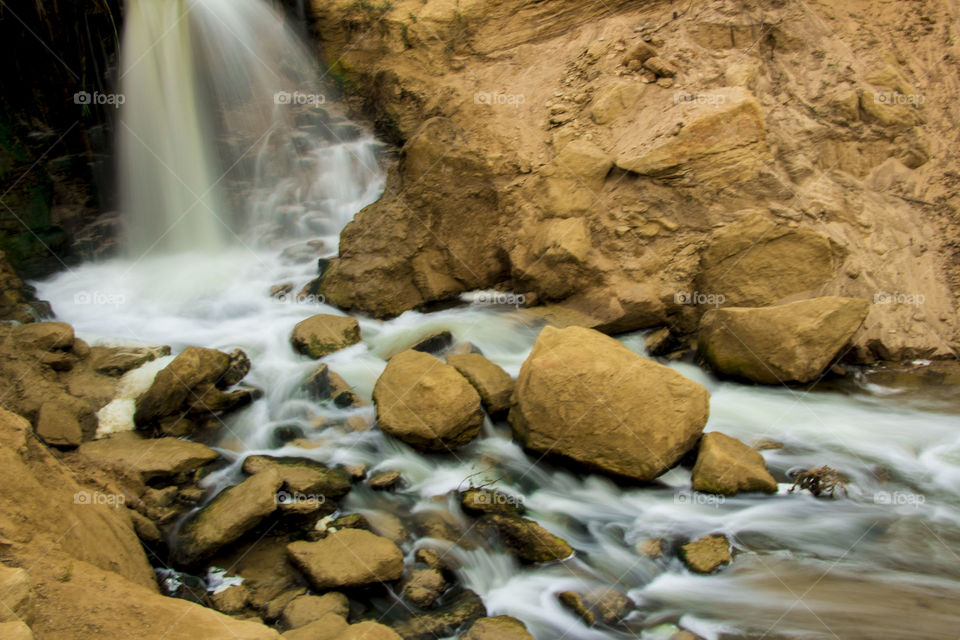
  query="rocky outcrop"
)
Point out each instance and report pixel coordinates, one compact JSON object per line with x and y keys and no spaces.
{"x":727,"y":466}
{"x":426,"y":403}
{"x":494,"y":385}
{"x":793,"y":342}
{"x":322,"y":334}
{"x":230,"y":515}
{"x":706,"y":554}
{"x":585,"y":396}
{"x":347,"y":558}
{"x":636,"y":170}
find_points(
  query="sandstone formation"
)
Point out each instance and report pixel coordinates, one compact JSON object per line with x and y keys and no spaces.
{"x":426,"y":403}
{"x":793,"y":342}
{"x":585,"y":396}
{"x":727,"y":466}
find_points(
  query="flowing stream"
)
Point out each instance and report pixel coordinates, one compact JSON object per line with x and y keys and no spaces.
{"x":880,"y":563}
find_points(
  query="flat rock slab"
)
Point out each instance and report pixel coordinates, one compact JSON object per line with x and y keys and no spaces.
{"x":151,"y":458}
{"x":347,"y":558}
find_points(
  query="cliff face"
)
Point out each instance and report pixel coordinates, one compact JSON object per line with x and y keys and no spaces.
{"x":631,"y":164}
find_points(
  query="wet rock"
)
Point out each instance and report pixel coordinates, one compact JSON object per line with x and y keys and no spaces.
{"x":494,"y":385}
{"x":384,"y":480}
{"x":574,"y":602}
{"x":426,"y":403}
{"x":323,"y":334}
{"x":17,"y":300}
{"x":330,"y":626}
{"x":303,"y":610}
{"x":727,"y":466}
{"x":433,"y":343}
{"x":369,"y":631}
{"x":526,"y":539}
{"x":150,"y":458}
{"x":477,"y":502}
{"x":58,"y":426}
{"x":324,"y":384}
{"x":302,"y":475}
{"x":793,"y":342}
{"x":661,"y":342}
{"x":651,"y":548}
{"x":706,"y":554}
{"x":116,"y":362}
{"x":604,"y":606}
{"x":766,"y":444}
{"x":424,"y":587}
{"x":44,"y":336}
{"x":234,"y":512}
{"x":232,"y":600}
{"x":498,"y":628}
{"x":585,"y":396}
{"x":347,"y":558}
{"x":145,"y":528}
{"x":444,"y":622}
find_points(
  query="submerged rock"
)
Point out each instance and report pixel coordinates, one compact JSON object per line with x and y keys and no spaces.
{"x":793,"y":342}
{"x":528,"y":540}
{"x":494,"y":385}
{"x":323,"y":334}
{"x":347,"y":558}
{"x":234,"y":512}
{"x":587,"y":397}
{"x":426,"y":403}
{"x":706,"y":554}
{"x":444,"y":622}
{"x":727,"y":466}
{"x":498,"y":628}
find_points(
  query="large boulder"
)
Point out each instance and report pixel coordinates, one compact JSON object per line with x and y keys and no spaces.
{"x":793,"y":342}
{"x":149,"y":458}
{"x":323,"y":334}
{"x":347,"y":558}
{"x":494,"y":385}
{"x":426,"y":403}
{"x":231,"y":514}
{"x":727,"y":466}
{"x":587,"y":397}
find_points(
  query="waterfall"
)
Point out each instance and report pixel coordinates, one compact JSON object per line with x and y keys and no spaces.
{"x":226,"y":136}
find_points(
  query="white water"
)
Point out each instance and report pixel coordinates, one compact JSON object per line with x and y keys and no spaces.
{"x":861,"y":567}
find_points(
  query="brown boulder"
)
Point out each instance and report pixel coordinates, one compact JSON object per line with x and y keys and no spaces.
{"x":793,"y":342}
{"x":424,"y":587}
{"x":329,"y":626}
{"x":494,"y":385}
{"x":727,"y":466}
{"x":302,"y":475}
{"x":706,"y":554}
{"x":174,"y":385}
{"x":58,"y":426}
{"x":426,"y":403}
{"x":526,"y":539}
{"x":150,"y":458}
{"x":498,"y":628}
{"x":303,"y":610}
{"x":323,"y":334}
{"x":347,"y":558}
{"x":585,"y":396}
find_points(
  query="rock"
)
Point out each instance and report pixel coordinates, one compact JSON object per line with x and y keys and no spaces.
{"x":323,"y":334}
{"x":706,"y":554}
{"x":528,"y":540}
{"x":660,"y":342}
{"x":16,"y":595}
{"x":615,"y":99}
{"x":45,"y":336}
{"x":498,"y":628}
{"x":477,"y":502}
{"x":651,"y":547}
{"x":58,"y":426}
{"x":384,"y":480}
{"x":237,"y":369}
{"x":15,"y":631}
{"x":426,"y":403}
{"x":234,"y":512}
{"x":302,"y":475}
{"x":116,"y":362}
{"x":574,"y":602}
{"x":424,"y":587}
{"x":660,"y":67}
{"x":444,"y":622}
{"x":494,"y":385}
{"x":641,"y":52}
{"x":585,"y":396}
{"x":433,"y":343}
{"x":347,"y":558}
{"x":608,"y":606}
{"x":330,"y":626}
{"x":306,"y":609}
{"x":767,"y":444}
{"x":17,"y":300}
{"x":727,"y":466}
{"x":150,"y":458}
{"x":793,"y":342}
{"x":324,"y":384}
{"x":232,"y":600}
{"x":369,"y":631}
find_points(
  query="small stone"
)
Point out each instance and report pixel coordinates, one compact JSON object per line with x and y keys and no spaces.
{"x":324,"y":334}
{"x":303,"y":610}
{"x":232,"y":600}
{"x":384,"y":480}
{"x":424,"y":587}
{"x":651,"y":548}
{"x":706,"y":554}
